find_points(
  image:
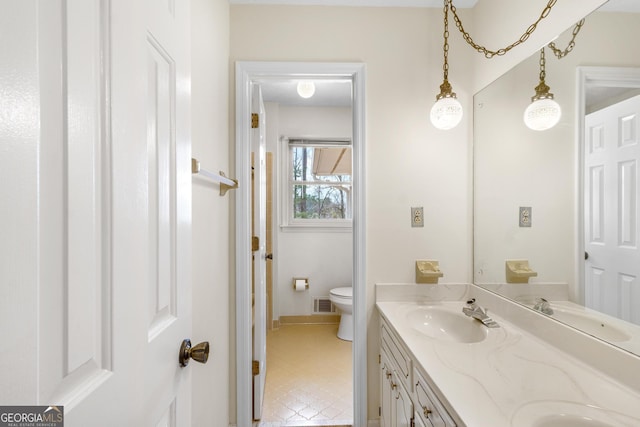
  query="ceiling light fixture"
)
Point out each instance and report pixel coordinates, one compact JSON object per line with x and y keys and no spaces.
{"x":544,"y":112}
{"x":446,"y":113}
{"x":306,"y":88}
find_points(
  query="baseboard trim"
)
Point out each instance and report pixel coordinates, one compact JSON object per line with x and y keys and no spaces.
{"x":313,"y":319}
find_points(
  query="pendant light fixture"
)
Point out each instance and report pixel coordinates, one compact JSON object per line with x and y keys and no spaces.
{"x":446,"y":113}
{"x":544,"y":112}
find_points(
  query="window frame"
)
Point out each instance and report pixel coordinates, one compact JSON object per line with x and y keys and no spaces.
{"x":287,"y":184}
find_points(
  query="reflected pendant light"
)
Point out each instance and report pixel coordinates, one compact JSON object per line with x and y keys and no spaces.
{"x":543,"y":113}
{"x":446,"y":113}
{"x":306,"y":89}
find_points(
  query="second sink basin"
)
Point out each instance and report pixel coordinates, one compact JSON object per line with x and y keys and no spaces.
{"x":446,"y":324}
{"x":569,"y":414}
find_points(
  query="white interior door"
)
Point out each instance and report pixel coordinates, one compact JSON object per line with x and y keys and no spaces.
{"x":258,"y":147}
{"x":612,"y":153}
{"x":101,"y":181}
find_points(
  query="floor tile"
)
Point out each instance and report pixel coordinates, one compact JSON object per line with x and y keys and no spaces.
{"x":309,"y":377}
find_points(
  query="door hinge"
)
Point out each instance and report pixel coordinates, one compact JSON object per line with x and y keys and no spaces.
{"x":255,"y":368}
{"x":255,"y":120}
{"x":379,"y":359}
{"x":379,"y":411}
{"x":255,"y":243}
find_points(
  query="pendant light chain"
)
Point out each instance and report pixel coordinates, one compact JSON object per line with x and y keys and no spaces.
{"x":445,"y":48}
{"x":543,"y":62}
{"x":572,"y":43}
{"x":490,"y":53}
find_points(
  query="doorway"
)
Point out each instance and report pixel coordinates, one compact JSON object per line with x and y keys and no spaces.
{"x":607,"y":222}
{"x":246,"y":73}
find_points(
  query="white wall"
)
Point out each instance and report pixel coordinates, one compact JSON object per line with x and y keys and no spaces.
{"x":408,"y":163}
{"x":214,"y":382}
{"x":325,"y":257}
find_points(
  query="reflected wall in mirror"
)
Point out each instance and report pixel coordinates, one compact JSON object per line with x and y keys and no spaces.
{"x":515,"y":167}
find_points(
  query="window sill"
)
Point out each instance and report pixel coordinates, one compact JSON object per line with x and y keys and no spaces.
{"x":341,"y":227}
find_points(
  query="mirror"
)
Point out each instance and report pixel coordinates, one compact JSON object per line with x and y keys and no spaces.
{"x":528,"y":197}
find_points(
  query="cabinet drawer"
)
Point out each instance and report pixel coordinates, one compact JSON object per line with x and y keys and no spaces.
{"x":428,"y":407}
{"x":399,"y":357}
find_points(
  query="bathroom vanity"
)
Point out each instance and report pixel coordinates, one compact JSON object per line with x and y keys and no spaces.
{"x":439,"y":367}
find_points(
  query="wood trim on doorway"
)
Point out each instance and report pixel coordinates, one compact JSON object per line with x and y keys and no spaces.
{"x":269,"y":242}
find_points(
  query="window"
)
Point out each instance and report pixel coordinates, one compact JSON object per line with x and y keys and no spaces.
{"x":318,"y":183}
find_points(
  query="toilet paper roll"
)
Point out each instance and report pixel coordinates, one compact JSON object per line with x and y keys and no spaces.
{"x":300,"y":285}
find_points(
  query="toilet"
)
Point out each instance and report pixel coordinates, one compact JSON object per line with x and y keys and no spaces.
{"x":342,"y":298}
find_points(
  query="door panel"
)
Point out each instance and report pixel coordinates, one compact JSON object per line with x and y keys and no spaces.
{"x":612,"y":153}
{"x":108,"y":218}
{"x":258,"y":145}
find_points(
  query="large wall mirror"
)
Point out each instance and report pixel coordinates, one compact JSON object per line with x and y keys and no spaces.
{"x":538,"y":204}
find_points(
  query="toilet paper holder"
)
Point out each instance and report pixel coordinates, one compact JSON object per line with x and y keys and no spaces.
{"x":299,"y":281}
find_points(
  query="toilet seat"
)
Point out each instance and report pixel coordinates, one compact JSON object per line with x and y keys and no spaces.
{"x":342,"y":293}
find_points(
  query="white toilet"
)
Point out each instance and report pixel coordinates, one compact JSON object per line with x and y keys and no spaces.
{"x":343,"y":299}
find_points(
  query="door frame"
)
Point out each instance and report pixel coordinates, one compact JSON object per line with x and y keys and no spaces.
{"x":245,"y":72}
{"x":590,"y":77}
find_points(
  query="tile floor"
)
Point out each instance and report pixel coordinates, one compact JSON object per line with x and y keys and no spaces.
{"x":309,"y":377}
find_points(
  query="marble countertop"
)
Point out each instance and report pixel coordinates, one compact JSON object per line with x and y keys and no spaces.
{"x":513,"y":378}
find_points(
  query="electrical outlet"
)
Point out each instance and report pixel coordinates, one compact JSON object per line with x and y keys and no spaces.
{"x":417,"y":217}
{"x":525,"y":216}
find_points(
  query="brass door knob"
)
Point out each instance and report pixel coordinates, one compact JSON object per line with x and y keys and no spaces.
{"x":199,"y":353}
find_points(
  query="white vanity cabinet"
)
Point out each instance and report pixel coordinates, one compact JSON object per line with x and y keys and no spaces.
{"x":428,"y":408}
{"x":396,"y":408}
{"x":405,"y":396}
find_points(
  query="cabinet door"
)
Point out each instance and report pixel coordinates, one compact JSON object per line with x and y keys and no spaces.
{"x":417,"y":421}
{"x":403,"y":407}
{"x":428,"y":407}
{"x":386,"y":391}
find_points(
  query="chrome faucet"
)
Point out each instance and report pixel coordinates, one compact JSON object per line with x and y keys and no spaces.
{"x":543,"y":306}
{"x":474,"y":310}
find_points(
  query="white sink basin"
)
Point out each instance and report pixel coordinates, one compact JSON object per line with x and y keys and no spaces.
{"x":591,"y":325}
{"x":569,"y":414}
{"x":446,"y":324}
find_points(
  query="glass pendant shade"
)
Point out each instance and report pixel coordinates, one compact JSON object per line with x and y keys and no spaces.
{"x":306,"y":89}
{"x":542,"y":114}
{"x":446,"y":113}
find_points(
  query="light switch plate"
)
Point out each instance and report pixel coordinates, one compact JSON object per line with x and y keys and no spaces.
{"x":525,"y":216}
{"x":417,"y":217}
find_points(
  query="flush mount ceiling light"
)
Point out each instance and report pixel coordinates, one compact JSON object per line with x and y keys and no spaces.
{"x":306,"y":88}
{"x":543,"y":113}
{"x":447,"y":112}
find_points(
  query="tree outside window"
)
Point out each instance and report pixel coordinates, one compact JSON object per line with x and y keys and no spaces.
{"x":320,"y":180}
